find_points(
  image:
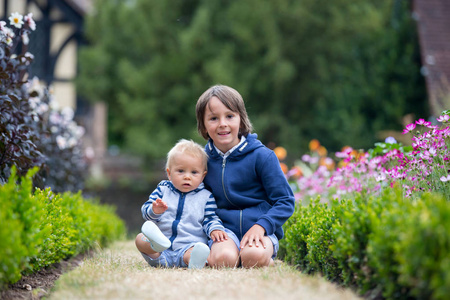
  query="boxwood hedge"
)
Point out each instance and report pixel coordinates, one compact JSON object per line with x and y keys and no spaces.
{"x":39,"y":228}
{"x":385,"y":246}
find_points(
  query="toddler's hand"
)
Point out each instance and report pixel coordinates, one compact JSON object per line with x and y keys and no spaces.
{"x":159,"y":206}
{"x":219,"y":235}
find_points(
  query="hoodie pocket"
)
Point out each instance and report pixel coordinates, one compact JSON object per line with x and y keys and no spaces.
{"x":229,"y":218}
{"x":252,"y":214}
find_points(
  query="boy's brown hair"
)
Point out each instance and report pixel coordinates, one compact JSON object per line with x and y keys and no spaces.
{"x":231,"y":99}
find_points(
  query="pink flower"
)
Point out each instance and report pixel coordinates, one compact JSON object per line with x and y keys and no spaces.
{"x":409,"y":128}
{"x":443,"y":118}
{"x":420,"y":122}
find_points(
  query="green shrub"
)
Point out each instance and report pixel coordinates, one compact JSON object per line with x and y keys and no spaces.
{"x":60,"y":242}
{"x":308,"y":239}
{"x":41,"y":228}
{"x":26,"y":216}
{"x":320,"y":239}
{"x":12,"y":249}
{"x":386,"y":244}
{"x":294,"y":247}
{"x":355,"y":224}
{"x":387,"y":229}
{"x":415,"y":261}
{"x":423,"y":252}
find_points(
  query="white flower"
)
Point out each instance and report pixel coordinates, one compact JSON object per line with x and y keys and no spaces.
{"x":42,"y":108}
{"x":72,"y":142}
{"x":8,"y":35}
{"x":61,"y":141}
{"x":35,"y":86}
{"x":53,"y":103}
{"x":34,"y":101}
{"x":29,"y":19}
{"x":25,"y":39}
{"x":2,"y":25}
{"x":16,"y":20}
{"x":80,"y":131}
{"x":445,"y":178}
{"x":55,"y":118}
{"x":380,"y":177}
{"x":67,"y":113}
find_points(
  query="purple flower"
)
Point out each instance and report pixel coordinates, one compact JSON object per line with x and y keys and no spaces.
{"x":390,"y":140}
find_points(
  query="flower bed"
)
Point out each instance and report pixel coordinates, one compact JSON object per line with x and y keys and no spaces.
{"x":379,"y":222}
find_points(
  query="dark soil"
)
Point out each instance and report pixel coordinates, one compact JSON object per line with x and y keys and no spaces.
{"x":39,"y":284}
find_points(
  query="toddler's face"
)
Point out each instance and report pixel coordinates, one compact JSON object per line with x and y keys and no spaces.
{"x":186,"y":172}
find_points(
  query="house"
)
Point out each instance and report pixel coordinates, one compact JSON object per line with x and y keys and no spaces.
{"x":433,"y":24}
{"x":55,"y":44}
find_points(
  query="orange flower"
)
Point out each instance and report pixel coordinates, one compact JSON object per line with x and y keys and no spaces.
{"x":296,"y":172}
{"x":358,"y":155}
{"x":314,"y":145}
{"x":327,"y":162}
{"x":322,"y":151}
{"x":280,"y":152}
{"x":284,"y":168}
{"x":342,"y":164}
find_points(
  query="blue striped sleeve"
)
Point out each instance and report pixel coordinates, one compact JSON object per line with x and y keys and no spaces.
{"x":146,"y":209}
{"x":211,"y":221}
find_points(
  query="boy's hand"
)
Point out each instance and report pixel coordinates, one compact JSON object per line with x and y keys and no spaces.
{"x":159,"y":206}
{"x":254,"y":236}
{"x":219,"y":235}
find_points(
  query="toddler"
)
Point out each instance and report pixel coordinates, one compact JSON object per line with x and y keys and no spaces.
{"x":180,"y":213}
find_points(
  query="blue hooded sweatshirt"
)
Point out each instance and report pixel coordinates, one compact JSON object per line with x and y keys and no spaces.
{"x":250,"y":188}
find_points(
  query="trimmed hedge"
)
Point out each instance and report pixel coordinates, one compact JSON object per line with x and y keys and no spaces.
{"x":39,"y":228}
{"x":385,"y":245}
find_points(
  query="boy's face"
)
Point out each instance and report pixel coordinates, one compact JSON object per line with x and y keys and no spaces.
{"x":186,"y":172}
{"x":222,"y":125}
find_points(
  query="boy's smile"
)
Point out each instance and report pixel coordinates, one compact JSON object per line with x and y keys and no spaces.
{"x":222,"y":125}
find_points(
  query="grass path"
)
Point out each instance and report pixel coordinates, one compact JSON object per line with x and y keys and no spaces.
{"x":119,"y":272}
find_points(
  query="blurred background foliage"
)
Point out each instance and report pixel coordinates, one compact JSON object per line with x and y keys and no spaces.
{"x":338,"y":71}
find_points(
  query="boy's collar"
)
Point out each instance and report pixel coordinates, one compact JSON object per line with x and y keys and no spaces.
{"x":225,"y":155}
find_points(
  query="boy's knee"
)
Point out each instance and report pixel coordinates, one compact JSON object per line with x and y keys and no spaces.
{"x":252,"y":257}
{"x":226,"y":259}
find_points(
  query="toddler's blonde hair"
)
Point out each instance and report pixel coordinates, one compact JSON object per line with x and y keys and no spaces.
{"x":187,"y":147}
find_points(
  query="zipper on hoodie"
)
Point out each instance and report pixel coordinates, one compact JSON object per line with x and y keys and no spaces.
{"x":177,"y":218}
{"x":223,"y":180}
{"x":224,"y":192}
